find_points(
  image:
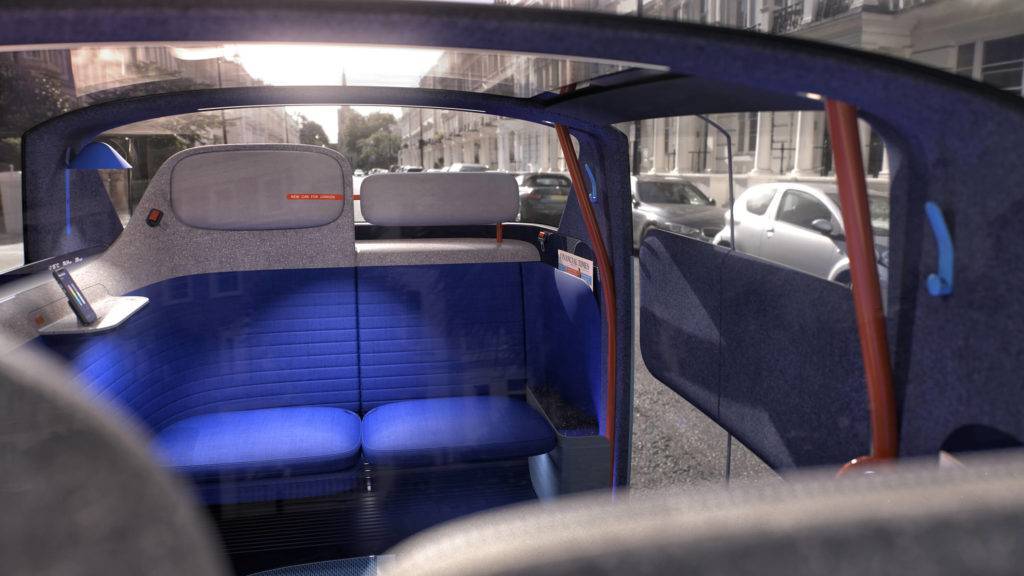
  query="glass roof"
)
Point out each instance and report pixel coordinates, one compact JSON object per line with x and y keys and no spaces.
{"x":91,"y":74}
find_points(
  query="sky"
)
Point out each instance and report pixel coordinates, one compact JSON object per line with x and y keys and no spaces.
{"x":306,"y":64}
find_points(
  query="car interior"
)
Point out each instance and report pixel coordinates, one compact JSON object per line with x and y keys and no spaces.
{"x":269,"y":386}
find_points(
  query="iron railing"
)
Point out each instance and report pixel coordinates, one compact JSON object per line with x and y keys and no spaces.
{"x":787,"y":18}
{"x":832,"y":8}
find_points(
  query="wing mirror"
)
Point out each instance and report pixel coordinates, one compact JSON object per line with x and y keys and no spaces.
{"x":636,"y":202}
{"x":823,"y":226}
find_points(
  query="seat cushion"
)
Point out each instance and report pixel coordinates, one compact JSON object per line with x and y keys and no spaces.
{"x":451,"y":430}
{"x":259,"y":443}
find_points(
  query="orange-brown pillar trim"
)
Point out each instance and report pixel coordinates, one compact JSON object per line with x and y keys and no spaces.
{"x":604,"y":266}
{"x":867,"y":296}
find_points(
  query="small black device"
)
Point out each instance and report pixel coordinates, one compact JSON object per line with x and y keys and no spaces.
{"x":76,"y":298}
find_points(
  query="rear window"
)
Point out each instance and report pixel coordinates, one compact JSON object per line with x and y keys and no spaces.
{"x":548,"y":181}
{"x":668,"y":192}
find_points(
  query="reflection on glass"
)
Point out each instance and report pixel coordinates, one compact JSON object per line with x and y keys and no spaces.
{"x":671,"y":192}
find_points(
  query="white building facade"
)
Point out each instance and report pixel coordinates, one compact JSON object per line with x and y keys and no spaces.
{"x":986,"y":43}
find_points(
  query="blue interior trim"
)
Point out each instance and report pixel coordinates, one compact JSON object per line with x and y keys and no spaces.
{"x":592,"y":193}
{"x":940,"y":283}
{"x":98,"y":156}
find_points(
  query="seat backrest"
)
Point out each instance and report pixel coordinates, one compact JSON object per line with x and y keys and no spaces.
{"x":441,"y":199}
{"x":915,"y":520}
{"x":251,"y":288}
{"x":429,"y":327}
{"x":80,"y":492}
{"x":224,"y":209}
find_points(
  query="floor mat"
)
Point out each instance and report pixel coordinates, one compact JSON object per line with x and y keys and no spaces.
{"x":392,"y":506}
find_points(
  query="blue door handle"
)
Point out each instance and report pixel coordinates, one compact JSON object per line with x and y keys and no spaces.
{"x":940,"y":283}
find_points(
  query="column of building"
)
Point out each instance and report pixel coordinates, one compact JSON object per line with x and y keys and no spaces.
{"x":806,"y":139}
{"x":763,"y":148}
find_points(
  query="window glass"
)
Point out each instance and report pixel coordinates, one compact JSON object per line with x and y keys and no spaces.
{"x":548,"y":181}
{"x":1003,"y":63}
{"x":965,"y":59}
{"x":878,"y":206}
{"x":684,"y":188}
{"x":801,"y":209}
{"x":938,"y":33}
{"x":373,"y":139}
{"x":671,"y":192}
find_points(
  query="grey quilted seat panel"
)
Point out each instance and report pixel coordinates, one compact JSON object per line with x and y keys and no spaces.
{"x":916,"y":520}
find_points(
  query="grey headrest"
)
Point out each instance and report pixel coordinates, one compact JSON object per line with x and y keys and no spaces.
{"x":920,"y":521}
{"x":258,"y":187}
{"x":439,"y":198}
{"x":79,"y":491}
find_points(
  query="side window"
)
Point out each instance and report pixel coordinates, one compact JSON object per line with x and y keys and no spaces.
{"x":801,"y":209}
{"x":759,"y":200}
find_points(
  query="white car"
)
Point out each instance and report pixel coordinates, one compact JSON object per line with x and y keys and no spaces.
{"x":800,"y":225}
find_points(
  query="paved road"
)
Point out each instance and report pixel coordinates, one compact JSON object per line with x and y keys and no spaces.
{"x":674,"y":444}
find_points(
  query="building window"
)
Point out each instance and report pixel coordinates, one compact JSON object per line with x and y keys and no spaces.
{"x":746,"y":137}
{"x":965,"y":60}
{"x":1002,"y":63}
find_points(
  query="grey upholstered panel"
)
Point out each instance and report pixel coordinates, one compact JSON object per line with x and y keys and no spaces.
{"x":79,"y":491}
{"x":144,"y":255}
{"x":443,"y":251}
{"x":226,"y":188}
{"x":439,"y":198}
{"x":920,"y":520}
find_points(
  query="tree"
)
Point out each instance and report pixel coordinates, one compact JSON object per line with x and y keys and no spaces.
{"x":311,"y":132}
{"x":368,"y":141}
{"x":28,"y":96}
{"x":379,"y":150}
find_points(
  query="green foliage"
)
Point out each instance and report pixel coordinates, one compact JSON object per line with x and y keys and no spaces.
{"x":28,"y":96}
{"x":368,"y":141}
{"x":191,"y":130}
{"x":311,"y":132}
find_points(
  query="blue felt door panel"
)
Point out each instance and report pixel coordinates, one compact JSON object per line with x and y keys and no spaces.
{"x":681,"y":315}
{"x":770,"y":353}
{"x":228,"y":341}
{"x":792,"y":377}
{"x":563,"y":338}
{"x":442,"y":330}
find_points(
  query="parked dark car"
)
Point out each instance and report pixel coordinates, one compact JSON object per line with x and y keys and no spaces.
{"x":542,"y":197}
{"x":676,"y":205}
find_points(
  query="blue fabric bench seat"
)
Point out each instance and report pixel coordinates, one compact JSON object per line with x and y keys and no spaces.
{"x":289,"y":441}
{"x":453,"y":430}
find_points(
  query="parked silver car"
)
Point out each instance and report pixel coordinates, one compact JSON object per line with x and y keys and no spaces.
{"x":673,"y":204}
{"x":800,"y":226}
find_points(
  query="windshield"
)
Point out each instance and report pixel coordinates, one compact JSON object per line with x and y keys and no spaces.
{"x":669,"y":192}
